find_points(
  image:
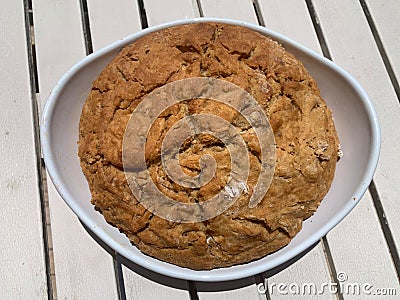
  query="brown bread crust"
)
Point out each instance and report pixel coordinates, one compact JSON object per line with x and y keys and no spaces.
{"x":305,"y":136}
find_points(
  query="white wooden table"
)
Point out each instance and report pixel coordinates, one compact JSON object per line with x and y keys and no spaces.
{"x":44,"y":250}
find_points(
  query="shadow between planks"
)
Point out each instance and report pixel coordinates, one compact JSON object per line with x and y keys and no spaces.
{"x":192,"y":287}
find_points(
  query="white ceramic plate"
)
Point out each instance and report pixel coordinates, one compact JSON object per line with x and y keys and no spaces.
{"x":355,"y":120}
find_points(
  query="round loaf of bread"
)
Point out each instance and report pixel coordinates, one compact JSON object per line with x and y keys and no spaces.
{"x":305,"y":139}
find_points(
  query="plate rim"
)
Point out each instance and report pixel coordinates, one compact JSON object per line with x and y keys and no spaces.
{"x":189,"y":274}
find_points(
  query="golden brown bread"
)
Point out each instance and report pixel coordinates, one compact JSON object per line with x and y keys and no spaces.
{"x":305,"y":136}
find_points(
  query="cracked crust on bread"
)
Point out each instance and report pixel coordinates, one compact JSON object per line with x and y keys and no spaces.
{"x":305,"y":136}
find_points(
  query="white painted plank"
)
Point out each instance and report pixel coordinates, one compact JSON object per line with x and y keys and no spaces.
{"x":139,"y":287}
{"x":310,"y":269}
{"x":83,"y":270}
{"x":385,"y":14}
{"x":159,"y":12}
{"x":227,"y":293}
{"x":108,"y":24}
{"x":58,"y":31}
{"x":23,"y":273}
{"x":136,"y":286}
{"x":295,"y":23}
{"x":241,"y":10}
{"x":356,"y":51}
{"x":360,"y":253}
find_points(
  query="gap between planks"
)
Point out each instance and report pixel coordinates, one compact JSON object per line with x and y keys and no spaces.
{"x":41,"y":171}
{"x":197,"y":6}
{"x":381,"y":49}
{"x":385,"y":227}
{"x":377,"y":203}
{"x":86,"y":27}
{"x":372,"y":188}
{"x":119,"y":277}
{"x":89,"y":49}
{"x":325,"y":50}
{"x":257,"y":10}
{"x":260,"y":21}
{"x":143,"y":15}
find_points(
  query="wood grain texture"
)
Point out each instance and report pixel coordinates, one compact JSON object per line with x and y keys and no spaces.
{"x":83,"y":270}
{"x":108,"y":24}
{"x":23,"y":272}
{"x":385,"y":14}
{"x":159,"y":12}
{"x":242,"y":10}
